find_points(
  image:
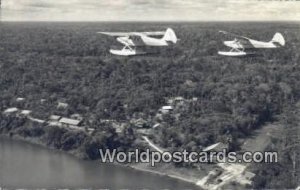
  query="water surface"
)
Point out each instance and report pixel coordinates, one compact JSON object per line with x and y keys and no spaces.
{"x":24,"y":165}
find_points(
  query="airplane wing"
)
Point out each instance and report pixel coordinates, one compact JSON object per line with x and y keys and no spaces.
{"x":126,"y":38}
{"x":116,"y":34}
{"x":242,"y":41}
{"x":121,"y":34}
{"x":157,"y":33}
{"x":235,"y":35}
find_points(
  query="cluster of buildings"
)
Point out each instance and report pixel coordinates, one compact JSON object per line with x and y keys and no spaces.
{"x":17,"y":111}
{"x":214,"y":180}
{"x":64,"y":121}
{"x":225,"y":172}
{"x":174,"y":103}
{"x":75,"y":121}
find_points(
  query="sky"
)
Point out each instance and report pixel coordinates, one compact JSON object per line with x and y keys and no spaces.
{"x":150,"y":10}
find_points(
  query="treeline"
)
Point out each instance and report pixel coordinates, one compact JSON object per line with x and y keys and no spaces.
{"x":78,"y":143}
{"x":70,"y":62}
{"x":285,"y":173}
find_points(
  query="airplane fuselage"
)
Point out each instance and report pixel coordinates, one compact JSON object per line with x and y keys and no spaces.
{"x":143,"y":41}
{"x":132,"y":40}
{"x":259,"y":44}
{"x":251,"y":44}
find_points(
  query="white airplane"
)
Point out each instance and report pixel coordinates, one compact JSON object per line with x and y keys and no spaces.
{"x":131,"y":40}
{"x":241,"y":43}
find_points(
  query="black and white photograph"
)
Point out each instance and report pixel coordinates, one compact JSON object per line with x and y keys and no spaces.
{"x":149,"y":94}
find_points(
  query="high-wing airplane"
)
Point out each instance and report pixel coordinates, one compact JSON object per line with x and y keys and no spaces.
{"x":240,"y":44}
{"x":133,"y":40}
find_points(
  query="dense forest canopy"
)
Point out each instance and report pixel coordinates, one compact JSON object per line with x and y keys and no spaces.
{"x":70,"y":62}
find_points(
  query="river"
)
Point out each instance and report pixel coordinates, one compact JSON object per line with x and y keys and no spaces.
{"x":24,"y":165}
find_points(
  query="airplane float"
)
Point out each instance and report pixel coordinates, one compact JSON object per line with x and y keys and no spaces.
{"x":133,"y":40}
{"x":240,"y":44}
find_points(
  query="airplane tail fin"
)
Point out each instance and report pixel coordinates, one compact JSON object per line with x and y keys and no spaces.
{"x":170,"y":36}
{"x":278,"y":38}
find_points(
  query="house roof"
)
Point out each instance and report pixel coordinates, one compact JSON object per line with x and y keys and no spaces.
{"x":11,"y":110}
{"x":156,"y":125}
{"x":54,"y":117}
{"x":215,"y":146}
{"x":69,"y":121}
{"x":26,"y":112}
{"x":179,"y":98}
{"x":62,"y":105}
{"x":249,"y":175}
{"x":167,"y":107}
{"x":20,"y":99}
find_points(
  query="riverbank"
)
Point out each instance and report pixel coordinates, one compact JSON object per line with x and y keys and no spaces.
{"x":29,"y":166}
{"x":170,"y":172}
{"x":167,"y":170}
{"x":40,"y":142}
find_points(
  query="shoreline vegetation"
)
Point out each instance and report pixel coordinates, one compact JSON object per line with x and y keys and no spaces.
{"x":171,"y":173}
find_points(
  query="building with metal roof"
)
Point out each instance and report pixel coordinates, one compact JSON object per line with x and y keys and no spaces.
{"x":69,"y":121}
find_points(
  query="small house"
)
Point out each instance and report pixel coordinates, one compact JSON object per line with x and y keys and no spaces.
{"x":145,"y":131}
{"x":11,"y":110}
{"x":70,"y":122}
{"x":166,"y":109}
{"x":195,"y":99}
{"x":54,"y":117}
{"x":119,"y":127}
{"x":218,"y":147}
{"x":246,"y":178}
{"x":175,"y":100}
{"x":77,"y":117}
{"x":140,"y":123}
{"x":62,"y":105}
{"x":25,"y":112}
{"x":179,"y":99}
{"x":249,"y":175}
{"x":107,"y":120}
{"x":20,"y":99}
